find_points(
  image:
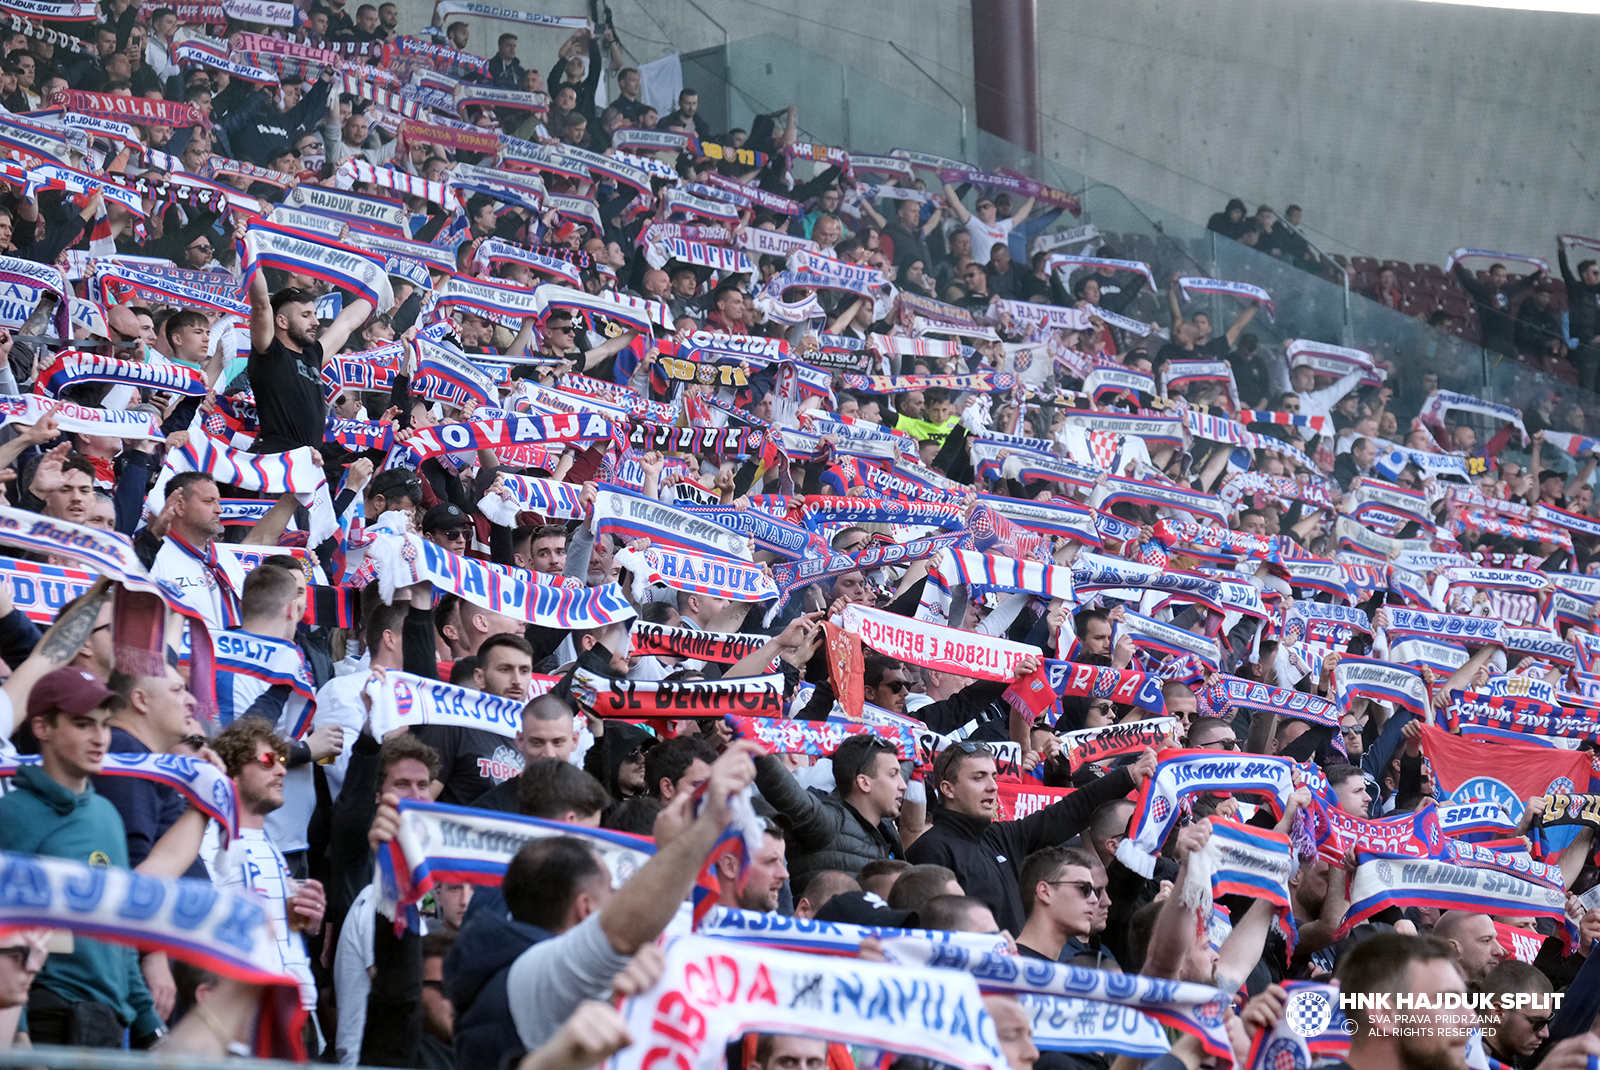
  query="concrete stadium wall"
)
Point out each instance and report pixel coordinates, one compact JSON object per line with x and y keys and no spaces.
{"x":1404,"y":129}
{"x":854,"y":35}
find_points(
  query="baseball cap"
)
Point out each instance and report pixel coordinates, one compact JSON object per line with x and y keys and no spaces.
{"x":70,"y":691}
{"x":864,"y":908}
{"x":444,"y":517}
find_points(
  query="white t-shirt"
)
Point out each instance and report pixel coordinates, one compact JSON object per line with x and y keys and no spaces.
{"x":261,"y":868}
{"x":985,"y":236}
{"x":339,"y":702}
{"x":351,"y":982}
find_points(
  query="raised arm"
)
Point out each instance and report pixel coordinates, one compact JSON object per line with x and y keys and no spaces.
{"x":1239,"y":323}
{"x":261,"y":325}
{"x":339,"y":331}
{"x":1022,"y":213}
{"x":58,"y":646}
{"x":962,"y":215}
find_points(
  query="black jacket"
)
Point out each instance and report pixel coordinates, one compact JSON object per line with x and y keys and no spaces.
{"x":825,"y":832}
{"x":1583,"y":304}
{"x":1496,"y":324}
{"x":475,"y":975}
{"x":987,"y":856}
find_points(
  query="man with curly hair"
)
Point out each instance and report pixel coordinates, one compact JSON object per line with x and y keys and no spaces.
{"x":254,"y":756}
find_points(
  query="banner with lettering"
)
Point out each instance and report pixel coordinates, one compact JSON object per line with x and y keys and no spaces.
{"x":939,"y":1014}
{"x":760,"y":696}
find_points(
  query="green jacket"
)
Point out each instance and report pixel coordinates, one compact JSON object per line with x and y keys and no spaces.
{"x":40,"y":817}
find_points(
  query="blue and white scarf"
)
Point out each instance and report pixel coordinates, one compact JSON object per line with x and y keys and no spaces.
{"x":401,"y":699}
{"x":634,"y":516}
{"x":518,"y":494}
{"x":1182,"y":773}
{"x":719,"y":577}
{"x":1005,"y":574}
{"x":400,"y":561}
{"x":442,"y":844}
{"x":1190,"y":284}
{"x":291,"y":472}
{"x":345,"y":266}
{"x":1385,"y":681}
{"x":1195,"y":1009}
{"x":248,"y":665}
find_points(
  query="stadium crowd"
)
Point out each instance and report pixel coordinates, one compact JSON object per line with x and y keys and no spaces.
{"x":499,"y":576}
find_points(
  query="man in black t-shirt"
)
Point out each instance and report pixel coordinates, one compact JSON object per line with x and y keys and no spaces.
{"x":287,"y":344}
{"x":474,"y":760}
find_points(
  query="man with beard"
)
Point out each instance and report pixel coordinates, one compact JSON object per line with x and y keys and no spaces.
{"x":187,"y":558}
{"x":474,"y":760}
{"x":287,"y":347}
{"x":254,"y":756}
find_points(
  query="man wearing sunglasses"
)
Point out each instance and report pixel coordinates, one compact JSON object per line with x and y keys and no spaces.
{"x":1518,"y":1032}
{"x":983,"y":222}
{"x":22,"y":955}
{"x":561,"y":334}
{"x":987,"y":855}
{"x":254,"y":756}
{"x":1060,"y":899}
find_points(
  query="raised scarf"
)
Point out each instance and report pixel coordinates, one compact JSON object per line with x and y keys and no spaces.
{"x":1195,"y":1009}
{"x":1005,"y":573}
{"x":29,"y":409}
{"x":345,"y":266}
{"x":1191,"y":284}
{"x":247,"y":665}
{"x":1057,"y":261}
{"x":939,"y":1015}
{"x":290,"y":472}
{"x":1489,"y":254}
{"x":518,"y":494}
{"x":503,"y":433}
{"x":724,"y":648}
{"x":1412,"y":835}
{"x":401,"y":699}
{"x":816,"y":738}
{"x":1089,"y":745}
{"x":634,"y":516}
{"x":720,"y":577}
{"x":764,"y":532}
{"x":1239,"y":860}
{"x":1160,"y":495}
{"x":224,"y":930}
{"x":983,"y":382}
{"x":1265,"y":698}
{"x":442,"y":844}
{"x":791,"y":578}
{"x":400,"y":561}
{"x":1385,"y":681}
{"x":1164,"y":640}
{"x":760,"y":696}
{"x":163,"y":287}
{"x":935,"y":646}
{"x":1379,"y":884}
{"x":1182,"y":773}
